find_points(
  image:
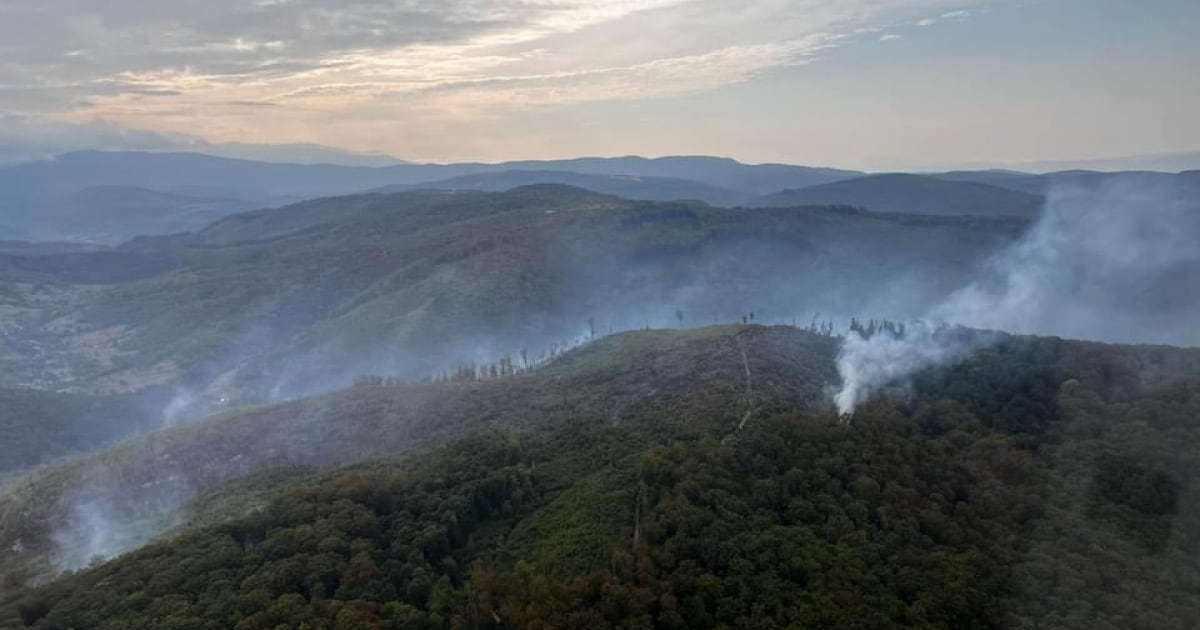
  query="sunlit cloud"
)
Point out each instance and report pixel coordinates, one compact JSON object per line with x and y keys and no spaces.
{"x":277,"y":71}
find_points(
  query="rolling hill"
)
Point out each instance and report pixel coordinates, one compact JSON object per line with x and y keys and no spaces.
{"x":278,"y":303}
{"x":1184,"y":185}
{"x":914,"y":194}
{"x":627,"y":186}
{"x":247,"y":179}
{"x":994,"y":177}
{"x":626,"y":379}
{"x":714,"y":171}
{"x":109,"y":196}
{"x":300,"y":299}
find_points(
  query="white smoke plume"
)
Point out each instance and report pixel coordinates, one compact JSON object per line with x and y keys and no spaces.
{"x":867,"y":362}
{"x":1118,"y":262}
{"x":177,"y":408}
{"x":1115,"y":263}
{"x":105,"y":522}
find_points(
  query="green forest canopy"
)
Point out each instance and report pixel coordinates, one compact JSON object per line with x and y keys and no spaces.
{"x":1040,"y":484}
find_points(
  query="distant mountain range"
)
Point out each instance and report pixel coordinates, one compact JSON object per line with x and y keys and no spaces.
{"x":55,"y":200}
{"x":627,"y":186}
{"x":915,"y":194}
{"x":1169,"y":162}
{"x":110,"y":197}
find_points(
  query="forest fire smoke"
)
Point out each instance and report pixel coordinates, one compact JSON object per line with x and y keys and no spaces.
{"x":1070,"y":275}
{"x":870,"y":359}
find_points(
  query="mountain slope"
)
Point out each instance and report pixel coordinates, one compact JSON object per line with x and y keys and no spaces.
{"x":302,"y":299}
{"x":994,"y":177}
{"x":980,"y":498}
{"x":224,"y":185}
{"x":649,"y":383}
{"x":723,"y":172}
{"x":915,"y":194}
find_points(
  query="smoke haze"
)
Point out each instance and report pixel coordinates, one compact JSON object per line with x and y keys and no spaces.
{"x":1090,"y":267}
{"x":868,"y":361}
{"x":1118,"y":262}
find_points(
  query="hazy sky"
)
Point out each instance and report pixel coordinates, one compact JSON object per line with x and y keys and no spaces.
{"x":862,"y":83}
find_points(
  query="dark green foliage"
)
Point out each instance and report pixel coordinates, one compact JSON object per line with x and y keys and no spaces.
{"x":1136,"y":500}
{"x":1132,"y":485}
{"x":1039,"y":484}
{"x":678,"y":383}
{"x":802,"y":522}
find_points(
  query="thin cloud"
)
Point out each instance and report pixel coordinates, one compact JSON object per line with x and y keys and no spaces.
{"x":211,"y":68}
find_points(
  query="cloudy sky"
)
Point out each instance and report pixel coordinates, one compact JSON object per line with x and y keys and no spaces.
{"x":862,"y":83}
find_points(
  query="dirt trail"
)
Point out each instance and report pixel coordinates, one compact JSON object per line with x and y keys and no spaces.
{"x":749,"y":387}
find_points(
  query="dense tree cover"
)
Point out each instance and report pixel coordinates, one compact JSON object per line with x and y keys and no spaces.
{"x":1119,"y":543}
{"x":1038,"y":484}
{"x":657,"y":382}
{"x":796,"y":520}
{"x":803,"y":523}
{"x":304,"y":298}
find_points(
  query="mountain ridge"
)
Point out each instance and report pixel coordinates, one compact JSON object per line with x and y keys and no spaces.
{"x":914,"y":194}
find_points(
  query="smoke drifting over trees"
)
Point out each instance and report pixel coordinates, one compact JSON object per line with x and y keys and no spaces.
{"x":1116,"y":262}
{"x":454,"y":311}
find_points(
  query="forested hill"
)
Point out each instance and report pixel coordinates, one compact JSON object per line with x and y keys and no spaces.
{"x":686,"y":480}
{"x":659,"y":379}
{"x":112,"y":196}
{"x":627,"y":186}
{"x":290,"y":301}
{"x":916,"y":194}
